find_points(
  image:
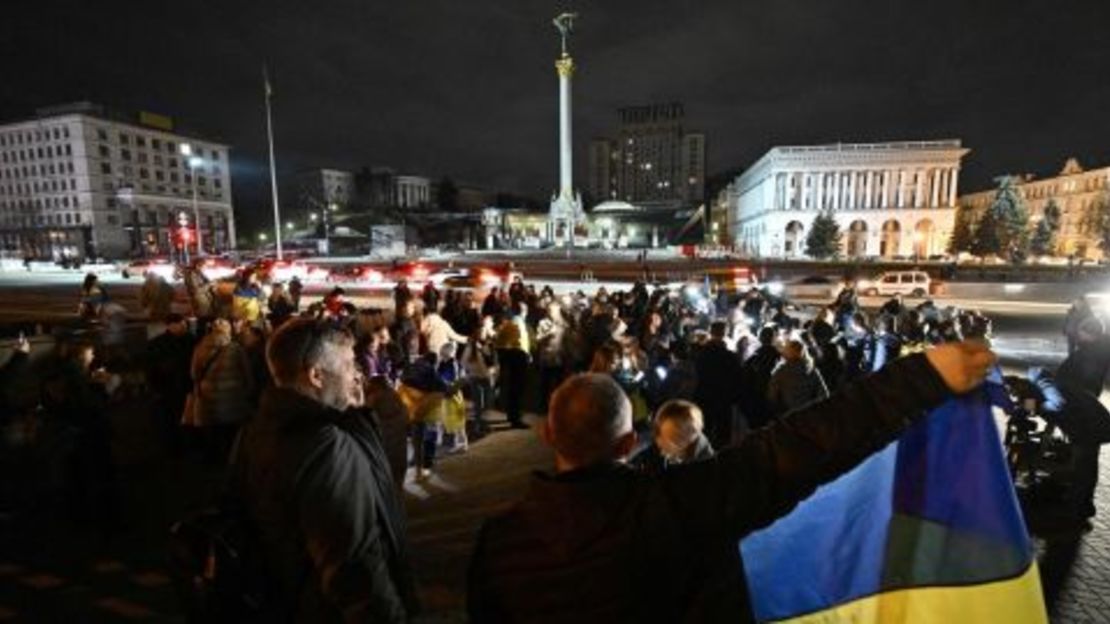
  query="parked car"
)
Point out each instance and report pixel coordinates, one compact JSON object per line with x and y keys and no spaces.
{"x":357,"y":274}
{"x":912,"y":283}
{"x":273,"y":270}
{"x":476,"y":278}
{"x":141,"y":266}
{"x":216,"y":268}
{"x":734,"y":279}
{"x":812,"y":287}
{"x":415,"y":273}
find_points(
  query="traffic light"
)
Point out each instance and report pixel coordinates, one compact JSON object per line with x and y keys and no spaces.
{"x":184,"y":236}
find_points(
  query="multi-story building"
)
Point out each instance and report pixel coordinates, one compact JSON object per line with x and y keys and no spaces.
{"x":653,"y":158}
{"x":326,"y":187}
{"x":412,"y":191}
{"x":890,"y":199}
{"x":76,"y":182}
{"x":717,"y":233}
{"x":1077,"y":193}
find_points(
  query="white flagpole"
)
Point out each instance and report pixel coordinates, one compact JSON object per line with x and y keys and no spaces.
{"x":273,"y":169}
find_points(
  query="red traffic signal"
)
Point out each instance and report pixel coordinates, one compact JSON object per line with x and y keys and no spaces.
{"x":184,"y":235}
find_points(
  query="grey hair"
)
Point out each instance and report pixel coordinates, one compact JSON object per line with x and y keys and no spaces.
{"x":589,"y":412}
{"x":301,"y":344}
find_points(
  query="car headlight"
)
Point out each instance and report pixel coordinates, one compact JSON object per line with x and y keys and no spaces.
{"x":775,"y":288}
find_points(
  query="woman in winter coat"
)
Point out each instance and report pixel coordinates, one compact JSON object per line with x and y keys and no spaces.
{"x":796,"y":382}
{"x":551,"y":350}
{"x":223,"y":388}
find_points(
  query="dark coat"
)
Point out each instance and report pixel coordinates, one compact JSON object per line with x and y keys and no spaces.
{"x":1087,"y":367}
{"x":606,"y":544}
{"x":169,"y":358}
{"x":718,"y":389}
{"x":794,"y":384}
{"x":319,"y":491}
{"x":756,"y":374}
{"x":224,"y":384}
{"x":393,"y":421}
{"x":651,"y":461}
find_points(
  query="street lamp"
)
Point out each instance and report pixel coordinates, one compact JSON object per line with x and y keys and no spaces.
{"x":194,"y":163}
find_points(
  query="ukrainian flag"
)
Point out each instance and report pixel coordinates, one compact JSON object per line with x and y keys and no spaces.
{"x":926,"y":531}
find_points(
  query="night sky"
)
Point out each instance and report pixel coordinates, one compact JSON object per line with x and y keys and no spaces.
{"x":467,"y":88}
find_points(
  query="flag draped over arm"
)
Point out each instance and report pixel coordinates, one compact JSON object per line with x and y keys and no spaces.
{"x":927,"y":530}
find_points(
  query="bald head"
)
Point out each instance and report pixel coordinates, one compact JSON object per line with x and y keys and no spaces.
{"x":589,"y":421}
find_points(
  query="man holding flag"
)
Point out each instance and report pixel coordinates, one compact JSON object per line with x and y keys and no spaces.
{"x":597,"y":542}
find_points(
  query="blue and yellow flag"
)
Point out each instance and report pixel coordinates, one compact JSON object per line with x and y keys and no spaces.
{"x":927,"y":530}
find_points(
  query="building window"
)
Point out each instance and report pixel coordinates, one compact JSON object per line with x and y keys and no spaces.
{"x":124,"y":139}
{"x":113,"y":220}
{"x":125,"y":154}
{"x":140,"y":141}
{"x":155,"y":144}
{"x":143,"y":173}
{"x":171,"y":147}
{"x":106,"y":168}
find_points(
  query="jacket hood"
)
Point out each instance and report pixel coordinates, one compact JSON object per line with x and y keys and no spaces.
{"x":573,"y":510}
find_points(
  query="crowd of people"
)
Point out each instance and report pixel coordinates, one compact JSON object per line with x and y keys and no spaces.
{"x":681,"y":419}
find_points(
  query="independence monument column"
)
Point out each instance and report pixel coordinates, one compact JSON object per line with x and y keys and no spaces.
{"x":566,"y":205}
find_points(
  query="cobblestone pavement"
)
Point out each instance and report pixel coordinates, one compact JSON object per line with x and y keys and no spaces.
{"x":53,"y":569}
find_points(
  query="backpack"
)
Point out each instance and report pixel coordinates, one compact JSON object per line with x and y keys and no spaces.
{"x":215,"y":560}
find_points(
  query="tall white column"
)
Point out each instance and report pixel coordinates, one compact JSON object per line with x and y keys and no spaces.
{"x":836,"y":190}
{"x":934,"y":181}
{"x":953,"y":177}
{"x":901,"y":177}
{"x":852,"y":181}
{"x":869,"y":190}
{"x":565,"y":67}
{"x":819,"y":190}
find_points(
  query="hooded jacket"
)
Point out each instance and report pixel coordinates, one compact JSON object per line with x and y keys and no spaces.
{"x":607,"y":544}
{"x":319,"y":490}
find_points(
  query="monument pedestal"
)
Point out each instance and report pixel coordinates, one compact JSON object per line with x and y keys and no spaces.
{"x":565,"y":214}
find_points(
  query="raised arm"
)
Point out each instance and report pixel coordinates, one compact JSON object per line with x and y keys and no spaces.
{"x":777,"y":467}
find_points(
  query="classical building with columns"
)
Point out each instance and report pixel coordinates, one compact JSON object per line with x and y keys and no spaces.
{"x":890,"y":199}
{"x":1078,"y":194}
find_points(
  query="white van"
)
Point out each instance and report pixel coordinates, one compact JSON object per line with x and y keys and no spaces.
{"x":912,"y":283}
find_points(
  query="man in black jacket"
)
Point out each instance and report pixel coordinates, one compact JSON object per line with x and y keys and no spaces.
{"x":718,"y":389}
{"x":597,"y":542}
{"x":318,"y":487}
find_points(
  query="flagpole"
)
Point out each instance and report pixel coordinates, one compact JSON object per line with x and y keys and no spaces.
{"x":273,"y":169}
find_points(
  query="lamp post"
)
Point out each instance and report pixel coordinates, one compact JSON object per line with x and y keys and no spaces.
{"x":194,"y":163}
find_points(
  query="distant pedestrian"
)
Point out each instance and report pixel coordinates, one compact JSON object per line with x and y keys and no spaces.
{"x":168,"y":359}
{"x":796,"y":382}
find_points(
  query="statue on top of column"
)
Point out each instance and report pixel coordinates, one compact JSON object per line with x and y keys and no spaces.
{"x":565,"y":23}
